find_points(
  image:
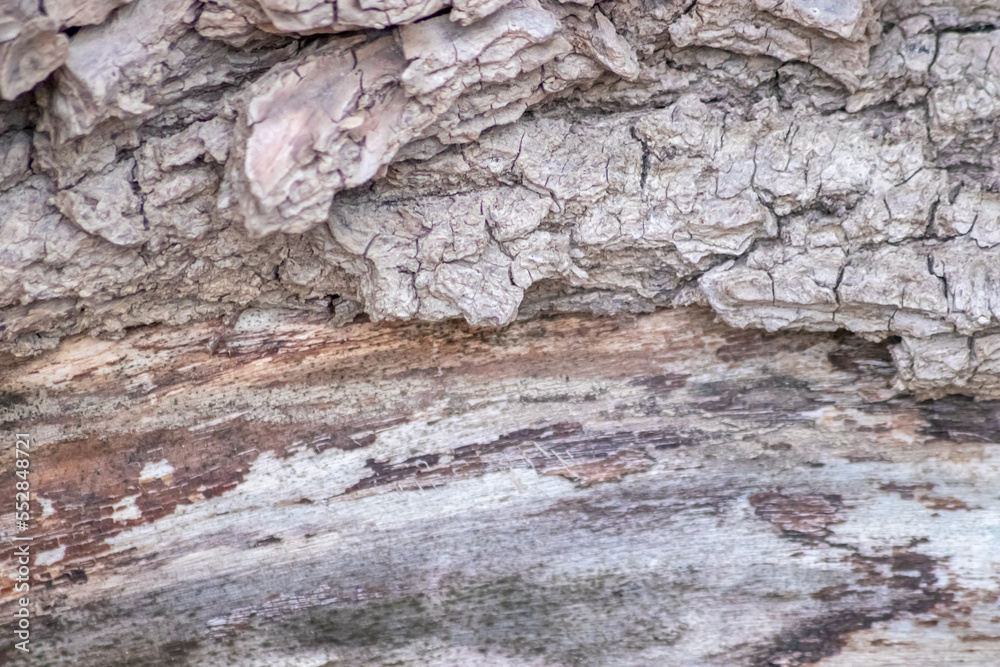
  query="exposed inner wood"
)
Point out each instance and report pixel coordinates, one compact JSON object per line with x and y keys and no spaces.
{"x":574,"y":490}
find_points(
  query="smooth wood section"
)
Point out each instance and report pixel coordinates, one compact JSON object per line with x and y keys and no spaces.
{"x":651,"y":490}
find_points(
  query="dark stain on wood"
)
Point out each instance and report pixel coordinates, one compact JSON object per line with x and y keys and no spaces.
{"x":662,"y":384}
{"x":908,"y":576}
{"x":962,"y":419}
{"x":862,"y":357}
{"x":813,"y":641}
{"x":905,"y":491}
{"x":921,"y":493}
{"x":563,"y":449}
{"x":798,"y":514}
{"x":740,"y":345}
{"x":271,"y":539}
{"x":778,"y":398}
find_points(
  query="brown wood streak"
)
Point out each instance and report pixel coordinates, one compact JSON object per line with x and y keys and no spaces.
{"x":434,"y":492}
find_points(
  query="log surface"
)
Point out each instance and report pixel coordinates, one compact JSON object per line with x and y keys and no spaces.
{"x":637,"y":490}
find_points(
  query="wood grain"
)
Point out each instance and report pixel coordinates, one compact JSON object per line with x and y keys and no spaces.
{"x":636,"y":490}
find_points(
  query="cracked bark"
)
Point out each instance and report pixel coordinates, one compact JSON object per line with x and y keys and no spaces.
{"x":236,"y":238}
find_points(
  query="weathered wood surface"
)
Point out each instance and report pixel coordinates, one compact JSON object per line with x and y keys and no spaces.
{"x":651,"y":490}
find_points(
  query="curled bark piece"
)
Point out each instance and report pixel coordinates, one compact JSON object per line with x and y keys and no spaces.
{"x":30,"y":49}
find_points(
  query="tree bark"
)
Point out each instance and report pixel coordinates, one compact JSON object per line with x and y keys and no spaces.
{"x":800,"y":165}
{"x":724,"y":392}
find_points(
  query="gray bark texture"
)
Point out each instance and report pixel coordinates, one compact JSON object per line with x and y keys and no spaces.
{"x":796,"y":164}
{"x":725,"y":388}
